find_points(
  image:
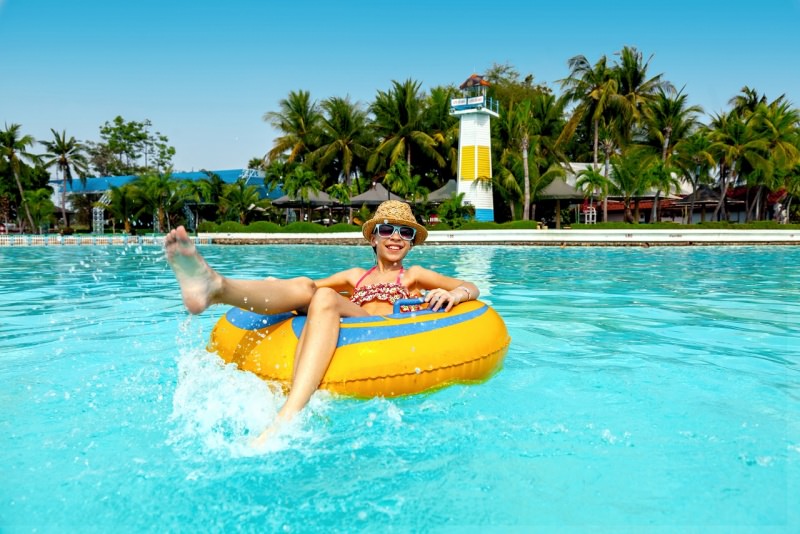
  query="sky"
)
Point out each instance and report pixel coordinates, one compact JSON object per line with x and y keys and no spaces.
{"x":205,"y":72}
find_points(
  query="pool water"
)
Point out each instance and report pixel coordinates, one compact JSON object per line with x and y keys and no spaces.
{"x":643,"y":389}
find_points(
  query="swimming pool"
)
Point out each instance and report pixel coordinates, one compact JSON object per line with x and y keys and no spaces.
{"x":643,"y":388}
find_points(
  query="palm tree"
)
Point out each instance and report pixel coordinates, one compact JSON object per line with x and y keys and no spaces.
{"x":154,"y":192}
{"x":342,"y":138}
{"x":400,"y":127}
{"x":300,"y":183}
{"x":298,"y":121}
{"x":745,"y":104}
{"x":738,"y":148}
{"x":629,"y":179}
{"x":669,"y":119}
{"x":67,"y":155}
{"x":443,"y":128}
{"x":694,"y":159}
{"x":635,"y":88}
{"x":123,"y":206}
{"x":397,"y":178}
{"x":13,"y":149}
{"x":520,"y":123}
{"x":212,"y":188}
{"x":590,"y":180}
{"x":256,"y":163}
{"x":41,"y":207}
{"x":242,"y":199}
{"x":777,"y":124}
{"x":595,"y":89}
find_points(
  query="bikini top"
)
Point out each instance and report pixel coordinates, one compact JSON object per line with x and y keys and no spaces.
{"x":389,"y":292}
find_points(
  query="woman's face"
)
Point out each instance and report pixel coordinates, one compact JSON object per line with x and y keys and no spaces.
{"x":391,"y":249}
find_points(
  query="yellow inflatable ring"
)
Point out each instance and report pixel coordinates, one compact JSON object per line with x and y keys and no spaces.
{"x":390,"y":355}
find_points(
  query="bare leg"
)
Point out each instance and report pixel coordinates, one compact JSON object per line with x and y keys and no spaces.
{"x":202,"y":286}
{"x":314,"y":351}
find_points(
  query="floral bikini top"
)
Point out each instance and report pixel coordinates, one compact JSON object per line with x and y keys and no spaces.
{"x":389,"y":292}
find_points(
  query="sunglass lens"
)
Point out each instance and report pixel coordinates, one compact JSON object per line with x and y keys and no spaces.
{"x":385,"y":230}
{"x":407,"y":233}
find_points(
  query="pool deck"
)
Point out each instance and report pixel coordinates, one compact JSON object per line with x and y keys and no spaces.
{"x":639,"y":237}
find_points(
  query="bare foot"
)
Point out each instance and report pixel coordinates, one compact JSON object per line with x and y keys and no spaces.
{"x":199,"y":282}
{"x":275,"y":428}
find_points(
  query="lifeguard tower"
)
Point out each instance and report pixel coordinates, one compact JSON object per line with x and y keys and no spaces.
{"x":475,"y":110}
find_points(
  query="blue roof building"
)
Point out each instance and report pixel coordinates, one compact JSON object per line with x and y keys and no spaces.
{"x":100,"y":185}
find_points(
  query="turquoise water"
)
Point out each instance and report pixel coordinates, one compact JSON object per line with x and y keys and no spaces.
{"x":644,"y":389}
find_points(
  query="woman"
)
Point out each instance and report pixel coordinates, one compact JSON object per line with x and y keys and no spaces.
{"x":392,"y":232}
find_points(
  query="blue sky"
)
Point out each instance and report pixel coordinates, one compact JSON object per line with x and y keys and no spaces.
{"x":205,"y":72}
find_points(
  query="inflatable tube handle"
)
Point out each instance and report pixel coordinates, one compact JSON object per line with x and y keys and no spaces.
{"x":416,"y":301}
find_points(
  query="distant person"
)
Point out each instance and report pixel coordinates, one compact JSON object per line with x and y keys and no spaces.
{"x":392,"y":232}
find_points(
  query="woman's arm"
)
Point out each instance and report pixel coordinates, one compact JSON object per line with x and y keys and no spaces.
{"x":443,"y":291}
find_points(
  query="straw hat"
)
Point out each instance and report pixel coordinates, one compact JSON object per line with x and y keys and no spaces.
{"x":395,"y":212}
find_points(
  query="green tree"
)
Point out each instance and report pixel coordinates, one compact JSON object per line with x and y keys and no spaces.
{"x":212,"y":189}
{"x":738,"y":149}
{"x":68,"y":156}
{"x":41,"y":207}
{"x":300,"y":184}
{"x":443,"y":128}
{"x":242,"y":200}
{"x":668,"y":119}
{"x":256,"y":163}
{"x":298,"y":122}
{"x":342,"y":139}
{"x":629,"y":179}
{"x":594,"y":89}
{"x":399,"y":125}
{"x":153,"y":192}
{"x":694,"y":159}
{"x":128,"y":148}
{"x":778,"y":125}
{"x":635,"y":88}
{"x":122,"y":206}
{"x":591,"y":181}
{"x":13,"y":149}
{"x":453,"y":212}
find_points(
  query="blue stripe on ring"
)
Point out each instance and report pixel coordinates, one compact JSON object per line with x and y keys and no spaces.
{"x":361,"y":334}
{"x":248,"y":320}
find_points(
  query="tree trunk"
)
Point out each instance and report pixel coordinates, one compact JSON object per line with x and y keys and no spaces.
{"x":64,"y":199}
{"x":628,"y":216}
{"x":694,"y":196}
{"x":22,"y":199}
{"x":654,"y":210}
{"x":558,"y":213}
{"x":605,"y":188}
{"x":596,"y":140}
{"x":720,"y":209}
{"x":526,"y":172}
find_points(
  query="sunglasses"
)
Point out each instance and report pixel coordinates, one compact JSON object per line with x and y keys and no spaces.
{"x":388,"y":230}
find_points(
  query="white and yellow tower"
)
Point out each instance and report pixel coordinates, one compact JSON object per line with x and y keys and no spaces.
{"x":475,"y":110}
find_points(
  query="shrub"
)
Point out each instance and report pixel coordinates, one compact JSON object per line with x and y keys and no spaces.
{"x":232,"y":227}
{"x":304,"y":228}
{"x":208,"y":227}
{"x":344,"y":227}
{"x":263,"y":227}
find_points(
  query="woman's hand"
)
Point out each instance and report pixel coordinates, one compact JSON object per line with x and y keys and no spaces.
{"x":442,"y":298}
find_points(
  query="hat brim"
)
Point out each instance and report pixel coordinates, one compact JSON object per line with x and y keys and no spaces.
{"x":419,"y":238}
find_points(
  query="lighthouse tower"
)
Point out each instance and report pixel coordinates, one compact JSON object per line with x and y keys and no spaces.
{"x":475,"y":110}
